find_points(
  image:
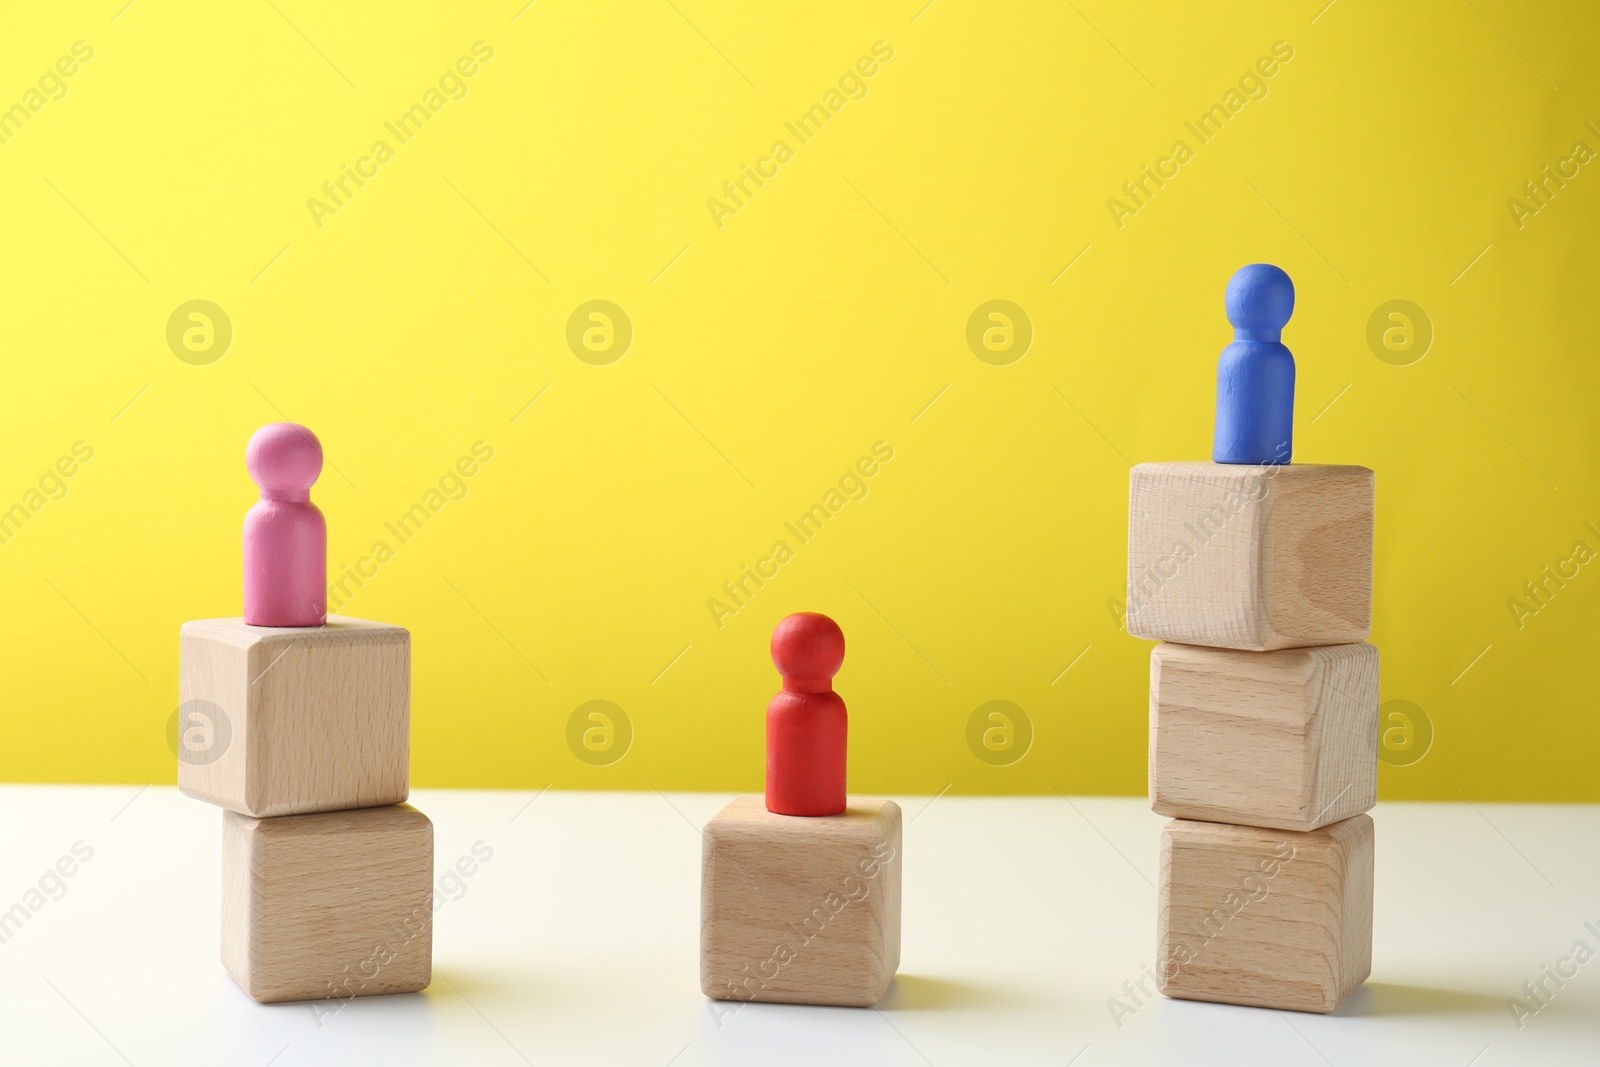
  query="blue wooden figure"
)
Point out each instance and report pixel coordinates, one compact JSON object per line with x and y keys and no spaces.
{"x":1255,"y":374}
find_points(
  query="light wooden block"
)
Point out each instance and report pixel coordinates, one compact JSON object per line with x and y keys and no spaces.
{"x":1285,"y":739}
{"x":332,"y":905}
{"x":800,"y":910}
{"x":297,"y":719}
{"x":1250,"y":557}
{"x":1267,"y":918}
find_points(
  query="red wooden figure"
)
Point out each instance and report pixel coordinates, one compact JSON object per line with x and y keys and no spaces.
{"x":806,"y":723}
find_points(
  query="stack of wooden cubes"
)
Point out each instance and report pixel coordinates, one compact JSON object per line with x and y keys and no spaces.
{"x":303,"y":735}
{"x":1263,"y":725}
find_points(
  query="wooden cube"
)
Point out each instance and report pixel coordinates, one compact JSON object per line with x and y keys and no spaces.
{"x":332,"y":905}
{"x":1267,"y":918}
{"x":1285,"y":739}
{"x":800,"y":910}
{"x":1250,"y":557}
{"x":282,"y":721}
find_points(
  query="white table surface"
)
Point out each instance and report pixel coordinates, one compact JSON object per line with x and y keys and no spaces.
{"x":577,"y":942}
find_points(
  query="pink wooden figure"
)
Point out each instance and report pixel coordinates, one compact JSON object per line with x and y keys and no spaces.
{"x":285,"y":536}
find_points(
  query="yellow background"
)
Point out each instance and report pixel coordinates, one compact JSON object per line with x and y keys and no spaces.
{"x":772,"y":352}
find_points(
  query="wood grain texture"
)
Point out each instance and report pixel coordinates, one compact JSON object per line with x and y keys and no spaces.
{"x":1267,"y":918}
{"x":332,"y":905}
{"x":1285,"y":739}
{"x":302,"y":719}
{"x":1250,"y":557}
{"x":800,"y":910}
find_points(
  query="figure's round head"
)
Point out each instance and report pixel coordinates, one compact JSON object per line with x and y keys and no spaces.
{"x":284,"y":457}
{"x":808,"y":645}
{"x":1260,"y":299}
